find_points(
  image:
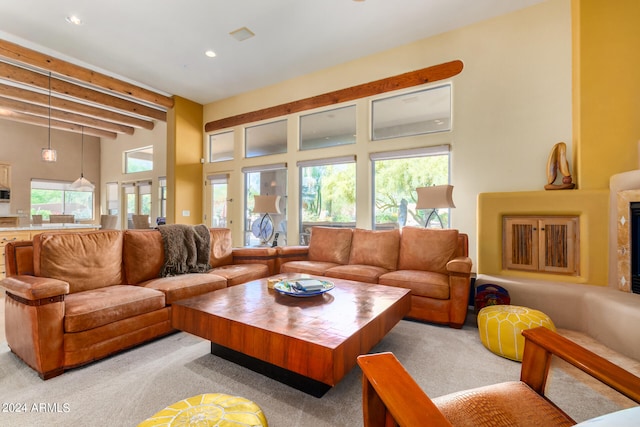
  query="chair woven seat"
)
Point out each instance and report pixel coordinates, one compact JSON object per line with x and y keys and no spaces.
{"x":511,"y":403}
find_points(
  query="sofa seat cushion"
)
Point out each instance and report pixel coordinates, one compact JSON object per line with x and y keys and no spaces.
{"x":422,"y":283}
{"x":97,"y":307}
{"x":357,"y":272}
{"x":184,"y":286}
{"x":310,"y":267}
{"x":237,"y":274}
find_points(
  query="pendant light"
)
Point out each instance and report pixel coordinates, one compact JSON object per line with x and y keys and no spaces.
{"x":82,"y":184}
{"x":48,"y":154}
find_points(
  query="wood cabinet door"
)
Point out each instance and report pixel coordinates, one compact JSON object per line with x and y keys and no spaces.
{"x":545,"y":244}
{"x":5,"y":175}
{"x":557,"y":243}
{"x":520,"y":243}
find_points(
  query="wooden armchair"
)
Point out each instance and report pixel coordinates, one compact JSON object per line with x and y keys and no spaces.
{"x":390,"y":397}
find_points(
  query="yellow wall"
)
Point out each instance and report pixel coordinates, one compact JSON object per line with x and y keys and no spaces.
{"x":184,"y":168}
{"x":607,"y":92}
{"x":606,"y":97}
{"x":589,"y":205}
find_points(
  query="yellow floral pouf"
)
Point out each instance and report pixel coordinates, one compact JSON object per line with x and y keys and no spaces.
{"x":209,"y":410}
{"x":501,"y":327}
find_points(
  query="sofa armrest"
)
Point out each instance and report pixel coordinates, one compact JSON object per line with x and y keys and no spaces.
{"x":34,"y":321}
{"x":459,"y":270}
{"x":256,"y":255}
{"x":257,"y":252}
{"x":461,"y":265}
{"x":34,"y":288}
{"x":291,"y":253}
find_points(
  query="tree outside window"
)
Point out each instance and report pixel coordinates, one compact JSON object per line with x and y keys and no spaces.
{"x":395,"y":186}
{"x":327,"y":196}
{"x":53,"y":197}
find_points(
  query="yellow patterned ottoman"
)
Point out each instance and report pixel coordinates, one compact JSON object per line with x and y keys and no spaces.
{"x":501,"y":328}
{"x":209,"y":410}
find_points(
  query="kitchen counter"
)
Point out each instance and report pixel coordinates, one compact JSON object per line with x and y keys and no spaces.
{"x":49,"y":227}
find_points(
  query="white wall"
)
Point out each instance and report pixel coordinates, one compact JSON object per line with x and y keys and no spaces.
{"x":512,"y":103}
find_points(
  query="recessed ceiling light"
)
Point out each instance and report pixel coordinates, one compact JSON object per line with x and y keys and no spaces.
{"x":73,"y":19}
{"x":242,"y":34}
{"x":210,"y":54}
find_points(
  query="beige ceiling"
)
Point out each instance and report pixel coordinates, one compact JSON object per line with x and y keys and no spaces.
{"x":115,"y":73}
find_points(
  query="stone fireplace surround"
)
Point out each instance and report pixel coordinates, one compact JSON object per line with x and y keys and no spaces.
{"x":609,"y":314}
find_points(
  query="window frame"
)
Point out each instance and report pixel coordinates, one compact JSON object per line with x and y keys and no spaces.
{"x":126,"y":161}
{"x":415,"y":153}
{"x":443,"y":126}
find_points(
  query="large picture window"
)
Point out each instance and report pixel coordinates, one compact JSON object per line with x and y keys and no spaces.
{"x":56,"y":197}
{"x":327,"y":194}
{"x":397,"y":175}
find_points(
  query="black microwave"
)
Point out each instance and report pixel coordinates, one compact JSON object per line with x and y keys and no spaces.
{"x":5,"y":195}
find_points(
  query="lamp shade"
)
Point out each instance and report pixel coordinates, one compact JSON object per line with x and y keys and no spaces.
{"x":82,"y":184}
{"x":49,"y":155}
{"x":435,"y":197}
{"x":266,"y":204}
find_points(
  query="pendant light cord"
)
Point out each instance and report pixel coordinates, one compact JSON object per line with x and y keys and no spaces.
{"x":82,"y":152}
{"x":49,"y":110}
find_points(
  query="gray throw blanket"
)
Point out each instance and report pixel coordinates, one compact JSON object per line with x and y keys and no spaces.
{"x":186,"y":249}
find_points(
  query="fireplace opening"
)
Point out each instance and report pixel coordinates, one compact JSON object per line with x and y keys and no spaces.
{"x":635,"y":247}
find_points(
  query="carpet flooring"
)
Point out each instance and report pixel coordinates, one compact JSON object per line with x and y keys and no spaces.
{"x":124,"y":389}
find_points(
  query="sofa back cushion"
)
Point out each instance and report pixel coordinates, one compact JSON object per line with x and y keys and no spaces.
{"x":427,"y":249}
{"x":330,"y":244}
{"x":221,"y":247}
{"x":143,"y":255}
{"x":378,"y":248}
{"x":88,"y":260}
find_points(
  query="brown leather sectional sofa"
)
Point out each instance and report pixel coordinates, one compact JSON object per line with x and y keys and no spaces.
{"x":73,"y":298}
{"x":433,"y":263}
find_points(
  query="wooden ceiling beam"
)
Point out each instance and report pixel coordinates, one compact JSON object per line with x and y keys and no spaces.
{"x":74,"y":107}
{"x":37,"y":110}
{"x":55,"y":124}
{"x":31,"y":78}
{"x":401,"y":81}
{"x":24,"y":55}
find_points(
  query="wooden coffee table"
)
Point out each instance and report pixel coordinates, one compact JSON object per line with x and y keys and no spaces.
{"x":308,"y":343}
